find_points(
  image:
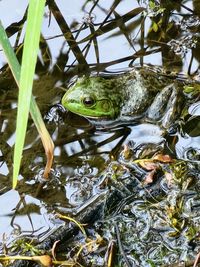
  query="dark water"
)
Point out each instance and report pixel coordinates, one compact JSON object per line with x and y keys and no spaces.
{"x":148,"y":223}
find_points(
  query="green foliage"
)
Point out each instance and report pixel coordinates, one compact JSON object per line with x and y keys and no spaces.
{"x":192,"y":89}
{"x":29,"y":58}
{"x":31,"y":45}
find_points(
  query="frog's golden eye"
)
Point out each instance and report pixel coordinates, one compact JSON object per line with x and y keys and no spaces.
{"x":88,"y":101}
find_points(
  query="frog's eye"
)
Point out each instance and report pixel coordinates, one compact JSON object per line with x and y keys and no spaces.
{"x":88,"y":101}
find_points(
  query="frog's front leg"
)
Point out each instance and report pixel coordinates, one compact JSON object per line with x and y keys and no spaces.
{"x":166,"y":106}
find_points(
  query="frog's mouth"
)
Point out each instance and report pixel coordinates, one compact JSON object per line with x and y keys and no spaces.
{"x":103,"y":118}
{"x":89,"y":112}
{"x":81,"y":112}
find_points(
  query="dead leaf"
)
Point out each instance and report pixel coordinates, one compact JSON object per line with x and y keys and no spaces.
{"x":163,"y":158}
{"x":45,"y":260}
{"x":149,"y":178}
{"x":149,"y":165}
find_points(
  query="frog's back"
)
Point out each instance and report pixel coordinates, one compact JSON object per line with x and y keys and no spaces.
{"x":141,"y":87}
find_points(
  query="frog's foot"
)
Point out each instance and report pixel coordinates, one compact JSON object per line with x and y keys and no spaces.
{"x":165,"y":107}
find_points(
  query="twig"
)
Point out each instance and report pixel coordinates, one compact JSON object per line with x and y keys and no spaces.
{"x":120,"y":246}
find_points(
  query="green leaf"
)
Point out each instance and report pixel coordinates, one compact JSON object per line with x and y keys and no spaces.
{"x":29,"y":58}
{"x":155,"y":27}
{"x":10,"y":55}
{"x":34,"y":110}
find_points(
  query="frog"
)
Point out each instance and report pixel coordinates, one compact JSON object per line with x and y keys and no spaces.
{"x":139,"y":93}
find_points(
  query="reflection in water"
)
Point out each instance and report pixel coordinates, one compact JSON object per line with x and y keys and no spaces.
{"x":140,"y":181}
{"x":194,"y":109}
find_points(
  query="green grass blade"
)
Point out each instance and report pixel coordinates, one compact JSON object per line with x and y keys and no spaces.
{"x":29,"y":58}
{"x":34,"y":110}
{"x":15,"y":68}
{"x":10,"y":55}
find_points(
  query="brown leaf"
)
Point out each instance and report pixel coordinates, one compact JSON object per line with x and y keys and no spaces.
{"x":45,"y":260}
{"x":149,"y":178}
{"x":53,"y":249}
{"x":163,"y":158}
{"x":148,"y":165}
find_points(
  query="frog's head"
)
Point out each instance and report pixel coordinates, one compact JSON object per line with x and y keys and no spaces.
{"x":93,"y":97}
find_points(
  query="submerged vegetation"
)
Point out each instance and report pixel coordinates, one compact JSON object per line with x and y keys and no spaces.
{"x":118,"y":194}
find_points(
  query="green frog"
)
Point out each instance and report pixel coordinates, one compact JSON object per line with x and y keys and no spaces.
{"x":137,"y":93}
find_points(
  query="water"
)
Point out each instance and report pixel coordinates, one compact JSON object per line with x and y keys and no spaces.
{"x":153,"y":206}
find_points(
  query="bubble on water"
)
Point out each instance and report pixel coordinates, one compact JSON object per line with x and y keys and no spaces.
{"x":89,"y":18}
{"x":53,"y":175}
{"x":190,"y":22}
{"x":55,"y":114}
{"x":153,"y":8}
{"x":183,"y":44}
{"x":192,"y":153}
{"x":194,"y":109}
{"x":86,"y":170}
{"x":79,"y":196}
{"x":172,"y":258}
